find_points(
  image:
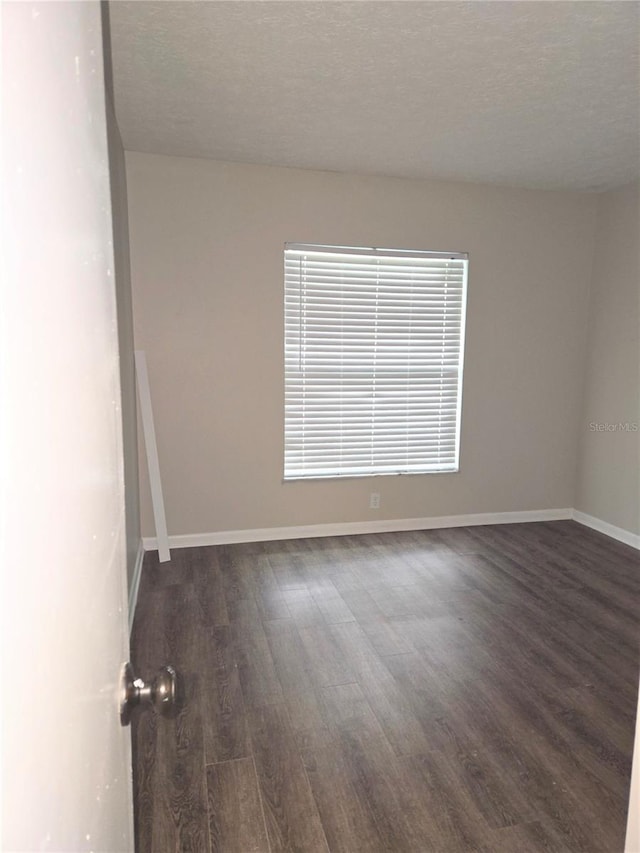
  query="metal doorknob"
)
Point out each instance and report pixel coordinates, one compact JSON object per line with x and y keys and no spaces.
{"x":161,"y":692}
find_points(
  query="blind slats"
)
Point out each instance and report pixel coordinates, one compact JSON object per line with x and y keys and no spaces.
{"x":373,"y":361}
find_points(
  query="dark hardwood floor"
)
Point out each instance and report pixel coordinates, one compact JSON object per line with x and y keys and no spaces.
{"x":470,"y":689}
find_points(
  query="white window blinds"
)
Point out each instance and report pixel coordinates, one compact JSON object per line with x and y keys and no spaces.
{"x":373,"y":360}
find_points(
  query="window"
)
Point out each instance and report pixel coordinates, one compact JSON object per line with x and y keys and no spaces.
{"x":373,"y":360}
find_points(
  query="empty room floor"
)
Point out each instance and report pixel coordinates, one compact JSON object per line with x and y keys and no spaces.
{"x":470,"y":689}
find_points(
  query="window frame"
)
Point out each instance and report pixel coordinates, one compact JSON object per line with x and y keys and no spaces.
{"x":292,"y":473}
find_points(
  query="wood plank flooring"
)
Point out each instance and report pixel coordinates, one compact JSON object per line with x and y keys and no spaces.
{"x":470,"y":689}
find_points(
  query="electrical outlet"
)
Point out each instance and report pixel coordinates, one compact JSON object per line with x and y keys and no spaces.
{"x":374,"y":500}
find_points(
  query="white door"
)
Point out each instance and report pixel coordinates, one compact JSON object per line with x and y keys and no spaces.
{"x":66,"y":760}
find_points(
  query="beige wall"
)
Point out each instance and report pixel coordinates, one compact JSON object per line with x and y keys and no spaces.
{"x":609,"y":461}
{"x":207,"y":266}
{"x":119,"y":207}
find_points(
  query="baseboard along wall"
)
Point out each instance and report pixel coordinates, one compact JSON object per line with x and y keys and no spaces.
{"x":135,"y":582}
{"x":267,"y":534}
{"x":619,"y":533}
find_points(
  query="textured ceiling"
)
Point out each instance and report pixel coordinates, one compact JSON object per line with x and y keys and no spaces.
{"x":539,"y":94}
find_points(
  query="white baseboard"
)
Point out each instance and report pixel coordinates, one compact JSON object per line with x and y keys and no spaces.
{"x":135,"y":583}
{"x":266,"y":534}
{"x":619,"y":533}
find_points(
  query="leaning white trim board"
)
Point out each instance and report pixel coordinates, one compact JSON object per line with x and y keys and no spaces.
{"x":153,"y":464}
